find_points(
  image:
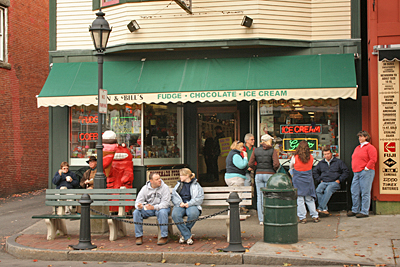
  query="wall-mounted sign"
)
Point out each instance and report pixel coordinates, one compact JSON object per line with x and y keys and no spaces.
{"x":170,"y":177}
{"x":301,"y":129}
{"x":290,"y":144}
{"x":103,"y":101}
{"x":389,"y":118}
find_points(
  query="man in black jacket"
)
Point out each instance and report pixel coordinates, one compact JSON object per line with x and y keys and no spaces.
{"x":329,"y":173}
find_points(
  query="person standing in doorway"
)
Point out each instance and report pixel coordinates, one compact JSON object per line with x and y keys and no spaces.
{"x":216,"y":151}
{"x":363,"y":164}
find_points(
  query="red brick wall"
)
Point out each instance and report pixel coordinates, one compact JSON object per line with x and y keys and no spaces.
{"x":23,"y":126}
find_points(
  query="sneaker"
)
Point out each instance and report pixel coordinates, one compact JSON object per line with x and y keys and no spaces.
{"x":190,"y":241}
{"x":361,"y":215}
{"x":316,"y":219}
{"x":304,"y":221}
{"x":318,"y":210}
{"x":139,"y":240}
{"x":351,"y":214}
{"x":244,"y":210}
{"x":261,"y":223}
{"x":162,"y":241}
{"x":181,"y":240}
{"x":323,"y":213}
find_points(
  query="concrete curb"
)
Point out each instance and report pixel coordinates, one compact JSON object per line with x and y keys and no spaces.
{"x":23,"y":252}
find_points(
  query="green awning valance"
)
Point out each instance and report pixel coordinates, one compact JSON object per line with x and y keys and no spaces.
{"x":256,"y":78}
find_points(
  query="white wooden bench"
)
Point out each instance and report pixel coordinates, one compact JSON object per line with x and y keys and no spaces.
{"x":215,"y":197}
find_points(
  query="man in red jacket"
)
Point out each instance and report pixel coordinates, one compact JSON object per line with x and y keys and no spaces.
{"x":363,"y":164}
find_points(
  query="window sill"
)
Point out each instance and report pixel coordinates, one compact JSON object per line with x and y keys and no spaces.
{"x":4,"y":65}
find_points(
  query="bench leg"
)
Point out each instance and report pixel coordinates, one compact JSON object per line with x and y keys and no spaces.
{"x":116,"y":227}
{"x":54,"y":225}
{"x":227,"y":230}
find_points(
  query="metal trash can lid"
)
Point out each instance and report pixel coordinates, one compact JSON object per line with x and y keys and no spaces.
{"x":279,"y":182}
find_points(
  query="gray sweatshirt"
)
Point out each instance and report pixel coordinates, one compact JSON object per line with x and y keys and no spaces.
{"x":159,"y":197}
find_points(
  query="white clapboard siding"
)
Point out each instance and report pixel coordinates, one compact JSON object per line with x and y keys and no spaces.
{"x":165,"y":21}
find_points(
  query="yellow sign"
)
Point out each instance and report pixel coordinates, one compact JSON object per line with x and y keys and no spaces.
{"x":389,"y":118}
{"x":225,"y":145}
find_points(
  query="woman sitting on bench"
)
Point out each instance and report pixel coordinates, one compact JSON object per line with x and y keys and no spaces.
{"x":187,"y":196}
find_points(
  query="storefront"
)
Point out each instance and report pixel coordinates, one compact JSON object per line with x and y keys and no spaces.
{"x":165,"y":110}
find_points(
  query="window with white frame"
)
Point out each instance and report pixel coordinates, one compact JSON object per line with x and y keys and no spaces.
{"x":2,"y":32}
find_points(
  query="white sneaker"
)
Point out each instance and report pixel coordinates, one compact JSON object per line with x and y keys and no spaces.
{"x":261,"y":223}
{"x":189,"y":241}
{"x":181,"y":240}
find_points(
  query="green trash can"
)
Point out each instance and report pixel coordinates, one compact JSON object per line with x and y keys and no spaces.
{"x":280,"y":210}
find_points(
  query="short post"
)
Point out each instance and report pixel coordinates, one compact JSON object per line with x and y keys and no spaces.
{"x":235,"y":241}
{"x":85,"y":241}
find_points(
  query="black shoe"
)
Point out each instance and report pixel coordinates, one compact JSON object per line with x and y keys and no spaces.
{"x":361,"y":215}
{"x":351,"y":214}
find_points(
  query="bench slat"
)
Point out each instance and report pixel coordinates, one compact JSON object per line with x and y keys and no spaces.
{"x":93,"y":197}
{"x":222,"y":202}
{"x":95,"y":203}
{"x":75,"y":216}
{"x":227,"y":189}
{"x":225,"y":196}
{"x":91,"y":191}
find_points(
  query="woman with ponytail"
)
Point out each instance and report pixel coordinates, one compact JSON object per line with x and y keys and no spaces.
{"x":187,"y":197}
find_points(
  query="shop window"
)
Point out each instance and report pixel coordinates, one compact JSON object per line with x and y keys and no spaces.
{"x":290,"y":121}
{"x":124,"y":120}
{"x":163,"y":138}
{"x":162,"y":132}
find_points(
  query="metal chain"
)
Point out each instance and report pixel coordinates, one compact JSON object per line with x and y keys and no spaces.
{"x":158,"y":224}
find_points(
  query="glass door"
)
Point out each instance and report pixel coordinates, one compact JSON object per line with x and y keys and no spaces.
{"x":217,"y":129}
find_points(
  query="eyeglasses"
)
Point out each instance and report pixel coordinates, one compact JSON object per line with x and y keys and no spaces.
{"x":65,"y":168}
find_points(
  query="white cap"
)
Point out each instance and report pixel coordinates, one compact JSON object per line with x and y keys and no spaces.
{"x":109,"y":135}
{"x":266,"y":137}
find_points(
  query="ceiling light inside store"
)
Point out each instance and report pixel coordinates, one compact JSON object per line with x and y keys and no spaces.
{"x":310,"y":112}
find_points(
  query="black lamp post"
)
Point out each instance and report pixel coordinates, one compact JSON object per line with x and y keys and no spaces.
{"x":100,"y":31}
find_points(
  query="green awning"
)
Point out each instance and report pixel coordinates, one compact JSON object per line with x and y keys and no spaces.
{"x":227,"y":79}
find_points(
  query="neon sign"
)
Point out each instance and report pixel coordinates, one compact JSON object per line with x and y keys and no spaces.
{"x":88,"y":120}
{"x":293,"y":143}
{"x":87,"y":137}
{"x":301,"y":129}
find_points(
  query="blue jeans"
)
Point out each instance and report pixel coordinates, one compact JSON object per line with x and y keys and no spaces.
{"x":301,"y":208}
{"x":361,"y":191}
{"x":162,"y":217}
{"x":261,"y":181}
{"x":324,"y":192}
{"x":192,"y":213}
{"x":247,"y":181}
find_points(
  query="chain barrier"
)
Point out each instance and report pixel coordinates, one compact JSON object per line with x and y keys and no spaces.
{"x":158,"y":224}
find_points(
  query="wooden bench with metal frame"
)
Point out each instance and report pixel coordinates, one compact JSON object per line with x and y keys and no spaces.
{"x":61,"y":198}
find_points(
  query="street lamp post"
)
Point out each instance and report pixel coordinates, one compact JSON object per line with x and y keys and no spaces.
{"x":100,"y":32}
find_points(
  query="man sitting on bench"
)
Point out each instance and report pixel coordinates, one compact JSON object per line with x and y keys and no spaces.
{"x":329,"y":173}
{"x":153,"y":200}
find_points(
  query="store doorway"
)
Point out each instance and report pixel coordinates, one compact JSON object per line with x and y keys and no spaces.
{"x":217,"y":128}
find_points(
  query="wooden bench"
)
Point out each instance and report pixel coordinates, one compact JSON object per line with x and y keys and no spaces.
{"x":215,"y":197}
{"x":61,"y":198}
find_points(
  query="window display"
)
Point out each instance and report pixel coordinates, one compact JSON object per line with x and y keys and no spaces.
{"x":162,"y":126}
{"x":291,"y":121}
{"x":162,"y":132}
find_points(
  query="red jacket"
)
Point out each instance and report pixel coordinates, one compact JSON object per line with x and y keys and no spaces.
{"x":362,"y":157}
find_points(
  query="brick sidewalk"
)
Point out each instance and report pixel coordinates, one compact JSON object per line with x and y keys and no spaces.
{"x":127,"y":243}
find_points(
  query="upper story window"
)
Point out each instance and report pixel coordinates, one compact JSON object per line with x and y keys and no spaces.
{"x":109,"y":2}
{"x":3,"y":21}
